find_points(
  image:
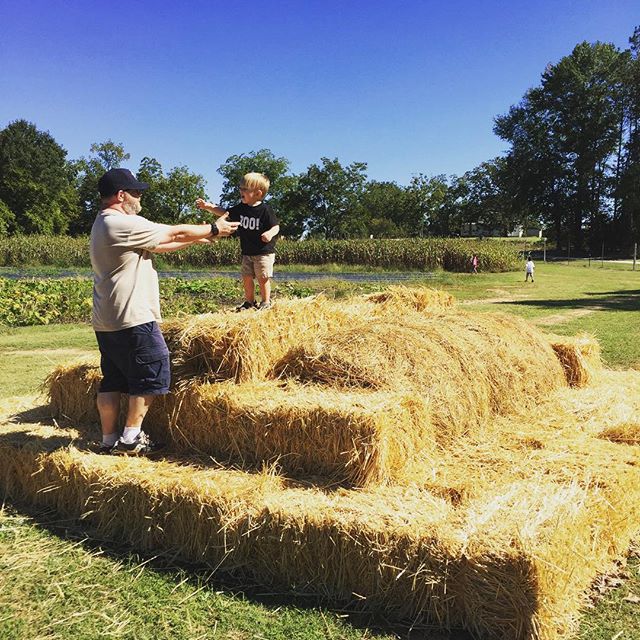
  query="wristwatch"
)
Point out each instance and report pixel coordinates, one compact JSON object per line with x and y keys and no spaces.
{"x":214,"y":230}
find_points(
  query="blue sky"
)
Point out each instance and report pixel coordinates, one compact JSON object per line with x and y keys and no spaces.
{"x":406,"y":86}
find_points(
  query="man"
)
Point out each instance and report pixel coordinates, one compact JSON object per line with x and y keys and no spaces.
{"x":126,"y":305}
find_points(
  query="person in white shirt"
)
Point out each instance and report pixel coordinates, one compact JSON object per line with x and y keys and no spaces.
{"x":529,"y":268}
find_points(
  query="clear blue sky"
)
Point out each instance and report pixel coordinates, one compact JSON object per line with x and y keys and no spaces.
{"x":405,"y":86}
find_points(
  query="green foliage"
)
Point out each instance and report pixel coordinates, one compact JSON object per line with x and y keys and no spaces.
{"x":329,"y":196}
{"x":7,"y":219}
{"x":32,"y":302}
{"x":170,"y":199}
{"x":571,"y":147}
{"x":105,"y":155}
{"x":36,"y":181}
{"x":35,"y":250}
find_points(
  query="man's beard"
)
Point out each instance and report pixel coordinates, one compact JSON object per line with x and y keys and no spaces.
{"x":131,"y":205}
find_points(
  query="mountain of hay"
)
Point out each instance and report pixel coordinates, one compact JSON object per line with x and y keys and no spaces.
{"x":438,"y":466}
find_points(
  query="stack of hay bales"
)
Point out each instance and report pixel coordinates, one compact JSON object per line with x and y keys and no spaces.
{"x":486,"y":504}
{"x":360,"y":391}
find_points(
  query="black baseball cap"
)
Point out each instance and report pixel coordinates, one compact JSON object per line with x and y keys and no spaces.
{"x":119,"y":180}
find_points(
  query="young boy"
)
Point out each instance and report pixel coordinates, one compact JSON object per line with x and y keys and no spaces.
{"x":258,"y":230}
{"x":529,"y":269}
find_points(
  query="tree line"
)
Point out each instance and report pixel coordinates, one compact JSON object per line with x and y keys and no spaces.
{"x":572,"y":167}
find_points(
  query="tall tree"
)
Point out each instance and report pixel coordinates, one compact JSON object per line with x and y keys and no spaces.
{"x":329,"y":197}
{"x":563,"y":136}
{"x":170,"y":198}
{"x":628,"y":186}
{"x":385,"y":209}
{"x":36,"y":181}
{"x":426,"y":200}
{"x":104,"y":156}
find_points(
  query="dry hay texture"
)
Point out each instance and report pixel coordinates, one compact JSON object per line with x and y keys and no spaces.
{"x":491,"y":492}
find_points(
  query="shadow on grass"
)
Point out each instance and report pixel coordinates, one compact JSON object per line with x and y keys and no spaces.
{"x":602,"y":301}
{"x":233,"y":584}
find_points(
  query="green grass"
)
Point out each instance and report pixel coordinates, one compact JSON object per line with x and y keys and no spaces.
{"x":54,"y":586}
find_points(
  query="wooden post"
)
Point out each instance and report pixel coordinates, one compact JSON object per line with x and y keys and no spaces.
{"x":635,"y":253}
{"x":544,"y":250}
{"x":602,"y":258}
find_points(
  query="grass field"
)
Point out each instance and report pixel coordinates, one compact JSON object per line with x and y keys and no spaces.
{"x":54,"y":583}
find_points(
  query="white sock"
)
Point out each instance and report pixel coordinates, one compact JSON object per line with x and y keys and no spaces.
{"x":130,"y":434}
{"x":109,"y":439}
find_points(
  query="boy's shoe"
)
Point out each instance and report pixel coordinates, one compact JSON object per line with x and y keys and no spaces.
{"x":264,"y":305}
{"x":141,"y":446}
{"x":246,"y":305}
{"x":103,"y":449}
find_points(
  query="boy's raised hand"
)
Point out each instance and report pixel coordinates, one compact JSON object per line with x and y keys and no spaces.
{"x":201,"y":204}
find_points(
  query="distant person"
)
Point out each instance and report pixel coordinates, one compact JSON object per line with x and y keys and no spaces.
{"x":529,"y":268}
{"x":474,"y":264}
{"x":258,"y":230}
{"x":134,"y":358}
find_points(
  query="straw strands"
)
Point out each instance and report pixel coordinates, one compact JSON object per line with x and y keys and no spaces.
{"x":511,"y":560}
{"x":357,"y":437}
{"x":580,"y":357}
{"x":468,"y":366}
{"x":490,"y":492}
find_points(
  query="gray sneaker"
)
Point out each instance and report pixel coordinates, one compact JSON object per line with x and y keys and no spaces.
{"x":264,"y":305}
{"x":141,"y":446}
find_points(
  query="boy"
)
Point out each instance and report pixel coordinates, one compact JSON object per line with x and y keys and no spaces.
{"x":258,"y":230}
{"x":528,"y":269}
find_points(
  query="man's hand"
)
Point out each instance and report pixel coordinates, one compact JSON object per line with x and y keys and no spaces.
{"x":202,"y":204}
{"x":225,"y":228}
{"x":266,"y":237}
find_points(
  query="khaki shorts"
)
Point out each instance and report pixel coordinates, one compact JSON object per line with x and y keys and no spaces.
{"x":260,"y":267}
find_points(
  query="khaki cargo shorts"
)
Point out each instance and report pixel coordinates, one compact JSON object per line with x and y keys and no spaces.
{"x":260,"y":267}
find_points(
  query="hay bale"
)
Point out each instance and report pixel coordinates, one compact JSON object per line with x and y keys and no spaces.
{"x":468,"y":367}
{"x":356,"y":437}
{"x":72,"y":390}
{"x":244,"y":346}
{"x":579,"y":356}
{"x":514,"y":564}
{"x":398,"y":298}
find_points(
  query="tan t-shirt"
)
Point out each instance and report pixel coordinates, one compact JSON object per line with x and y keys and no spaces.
{"x":125,"y":284}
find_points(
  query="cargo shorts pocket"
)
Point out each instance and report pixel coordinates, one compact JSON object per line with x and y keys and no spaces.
{"x":150,"y":370}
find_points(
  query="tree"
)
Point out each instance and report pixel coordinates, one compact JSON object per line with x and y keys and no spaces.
{"x":627,"y":216}
{"x":106,"y":155}
{"x":36,"y":181}
{"x":564,"y":135}
{"x":329,"y":197}
{"x":170,"y":199}
{"x":7,"y":220}
{"x":485,"y":201}
{"x":426,"y":203}
{"x":385,"y":209}
{"x":262,"y":161}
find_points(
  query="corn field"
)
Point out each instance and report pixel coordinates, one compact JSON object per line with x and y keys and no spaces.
{"x":425,"y":254}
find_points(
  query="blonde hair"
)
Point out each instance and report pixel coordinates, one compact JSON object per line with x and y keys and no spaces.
{"x":256,"y":181}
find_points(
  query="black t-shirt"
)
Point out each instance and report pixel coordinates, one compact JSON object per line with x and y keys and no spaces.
{"x":254,"y":221}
